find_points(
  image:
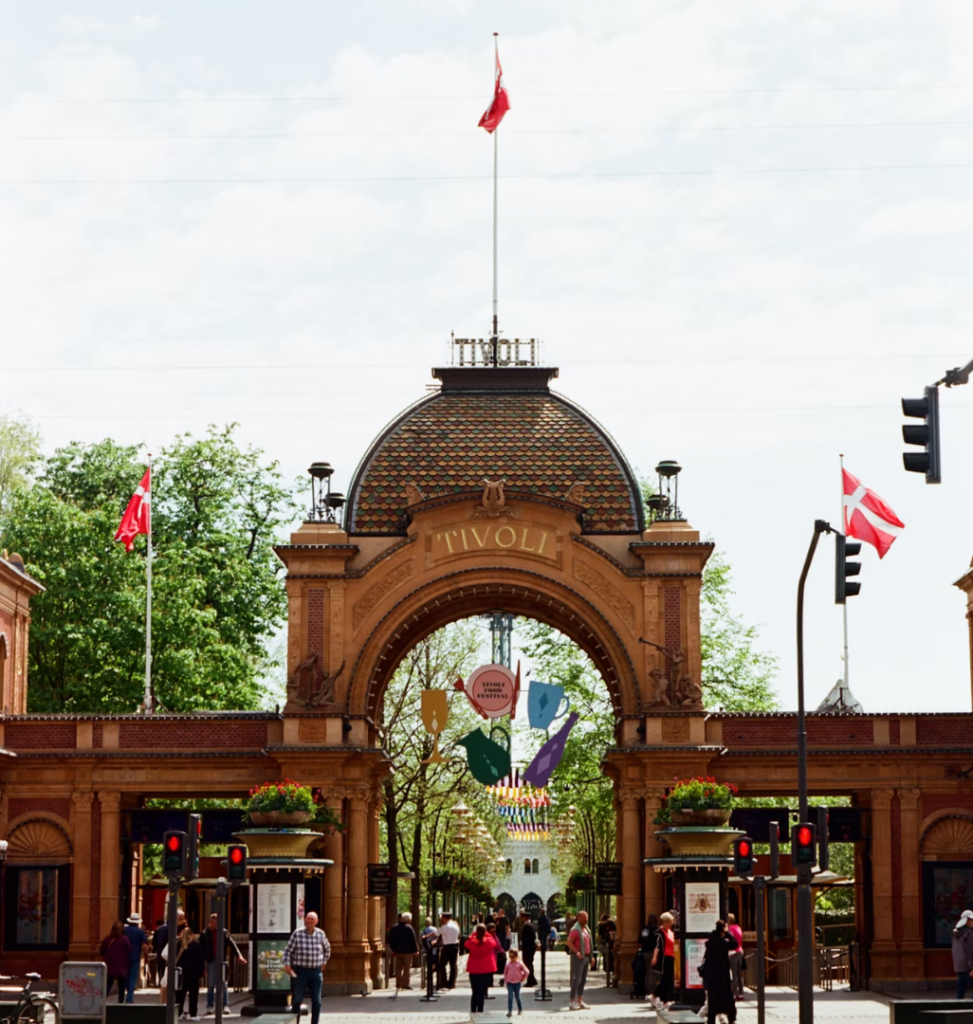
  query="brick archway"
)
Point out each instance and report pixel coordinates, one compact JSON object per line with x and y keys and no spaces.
{"x":474,"y":591}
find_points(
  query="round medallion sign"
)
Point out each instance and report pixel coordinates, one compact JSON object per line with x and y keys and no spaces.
{"x":492,"y":690}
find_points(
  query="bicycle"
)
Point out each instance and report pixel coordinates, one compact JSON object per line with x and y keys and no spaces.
{"x":31,"y":1006}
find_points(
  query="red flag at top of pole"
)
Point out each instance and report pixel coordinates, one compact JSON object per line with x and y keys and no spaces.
{"x":136,"y":518}
{"x":500,"y":104}
{"x":867,"y":517}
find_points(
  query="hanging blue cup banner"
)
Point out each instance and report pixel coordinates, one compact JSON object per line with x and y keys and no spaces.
{"x":544,"y":704}
{"x":549,"y":756}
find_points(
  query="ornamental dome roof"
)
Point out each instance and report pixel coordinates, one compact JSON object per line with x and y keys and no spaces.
{"x":497,"y":424}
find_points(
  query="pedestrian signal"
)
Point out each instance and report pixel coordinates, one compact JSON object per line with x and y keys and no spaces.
{"x":843,"y":548}
{"x":743,"y":858}
{"x":195,"y":836}
{"x":236,"y":864}
{"x":927,"y":409}
{"x":803,"y":842}
{"x":174,"y":854}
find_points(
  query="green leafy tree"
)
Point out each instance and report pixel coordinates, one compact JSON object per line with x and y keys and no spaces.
{"x":418,"y":826}
{"x":20,"y":446}
{"x":217,"y":594}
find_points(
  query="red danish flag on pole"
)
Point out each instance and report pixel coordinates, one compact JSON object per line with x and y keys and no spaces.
{"x":867,"y":517}
{"x":500,"y":103}
{"x":137,"y":517}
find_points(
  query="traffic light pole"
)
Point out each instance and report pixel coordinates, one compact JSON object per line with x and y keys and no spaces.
{"x":220,"y":949}
{"x":171,"y":944}
{"x":759,"y":888}
{"x":805,"y":931}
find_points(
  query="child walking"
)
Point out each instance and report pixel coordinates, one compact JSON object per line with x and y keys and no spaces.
{"x":514,"y":974}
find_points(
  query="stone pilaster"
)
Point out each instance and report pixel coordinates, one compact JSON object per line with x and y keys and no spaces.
{"x":912,"y":944}
{"x":81,"y":896}
{"x":110,"y":860}
{"x":884,"y":956}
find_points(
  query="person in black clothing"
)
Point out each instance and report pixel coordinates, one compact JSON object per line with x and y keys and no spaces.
{"x":715,"y":972}
{"x":189,"y":959}
{"x":528,"y":946}
{"x":652,"y":951}
{"x":503,"y":934}
{"x":404,"y":945}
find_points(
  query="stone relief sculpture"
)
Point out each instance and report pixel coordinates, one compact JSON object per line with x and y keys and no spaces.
{"x":675,"y":688}
{"x":494,"y":503}
{"x":309,"y":688}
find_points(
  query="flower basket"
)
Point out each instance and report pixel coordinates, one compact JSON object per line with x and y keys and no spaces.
{"x":699,"y":801}
{"x":279,"y":804}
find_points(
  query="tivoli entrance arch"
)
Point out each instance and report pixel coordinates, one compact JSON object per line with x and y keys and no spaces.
{"x":492,"y":493}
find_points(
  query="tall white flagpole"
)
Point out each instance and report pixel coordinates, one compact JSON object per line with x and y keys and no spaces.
{"x":844,"y":607}
{"x":148,"y":605}
{"x":496,"y":132}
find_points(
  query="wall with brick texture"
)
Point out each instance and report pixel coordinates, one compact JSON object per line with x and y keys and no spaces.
{"x":37,"y":805}
{"x":40,"y":735}
{"x":193,"y":734}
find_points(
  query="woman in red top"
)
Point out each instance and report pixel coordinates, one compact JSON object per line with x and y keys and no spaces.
{"x":481,"y":965}
{"x":736,"y":956}
{"x":666,"y":992}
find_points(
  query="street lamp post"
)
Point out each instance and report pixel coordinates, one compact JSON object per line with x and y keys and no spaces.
{"x":805,"y":901}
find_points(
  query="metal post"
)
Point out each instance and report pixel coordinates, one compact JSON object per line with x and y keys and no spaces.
{"x":805,"y":938}
{"x":171,"y":943}
{"x":148,"y":702}
{"x":220,"y":950}
{"x":760,"y":923}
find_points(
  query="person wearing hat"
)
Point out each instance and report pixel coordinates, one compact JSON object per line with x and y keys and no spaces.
{"x":139,"y":943}
{"x":963,"y":953}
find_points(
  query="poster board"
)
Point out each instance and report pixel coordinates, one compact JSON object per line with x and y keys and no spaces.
{"x":702,"y":907}
{"x":274,"y":908}
{"x":271,"y":976}
{"x":608,"y":879}
{"x":695,"y":951}
{"x":81,"y":991}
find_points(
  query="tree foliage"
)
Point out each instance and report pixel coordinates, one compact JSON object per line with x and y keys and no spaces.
{"x":20,"y":446}
{"x":418,"y":823}
{"x":217,"y":596}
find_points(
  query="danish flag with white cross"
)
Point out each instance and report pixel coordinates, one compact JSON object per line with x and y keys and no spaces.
{"x":867,"y":517}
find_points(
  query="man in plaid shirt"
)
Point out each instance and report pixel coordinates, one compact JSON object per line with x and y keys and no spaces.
{"x":304,"y":959}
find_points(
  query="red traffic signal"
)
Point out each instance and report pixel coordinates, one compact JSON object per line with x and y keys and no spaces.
{"x":236,"y":864}
{"x":743,"y":859}
{"x":803,"y":845}
{"x":174,"y":861}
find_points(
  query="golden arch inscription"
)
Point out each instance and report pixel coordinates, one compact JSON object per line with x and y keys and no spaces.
{"x":465,"y":538}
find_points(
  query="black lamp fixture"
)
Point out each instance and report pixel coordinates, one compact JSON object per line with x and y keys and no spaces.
{"x":325,"y":503}
{"x":664,"y":504}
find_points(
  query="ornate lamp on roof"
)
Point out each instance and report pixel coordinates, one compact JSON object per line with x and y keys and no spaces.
{"x":664,"y":504}
{"x":325,"y":503}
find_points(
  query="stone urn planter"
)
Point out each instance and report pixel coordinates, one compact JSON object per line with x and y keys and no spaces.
{"x":712,"y":816}
{"x":278,"y":819}
{"x":699,"y":841}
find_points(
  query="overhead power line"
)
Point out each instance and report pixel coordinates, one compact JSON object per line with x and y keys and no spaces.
{"x":510,"y":131}
{"x":408,"y":97}
{"x":342,"y":179}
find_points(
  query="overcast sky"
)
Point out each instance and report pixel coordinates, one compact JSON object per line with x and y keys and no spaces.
{"x":742,"y":230}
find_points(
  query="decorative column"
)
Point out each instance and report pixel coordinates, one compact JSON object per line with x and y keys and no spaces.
{"x":110,"y":859}
{"x":357,"y":871}
{"x":654,"y":890}
{"x":375,"y":908}
{"x":883,"y":944}
{"x":630,"y":903}
{"x":334,"y":886}
{"x":912,"y":944}
{"x":81,"y":893}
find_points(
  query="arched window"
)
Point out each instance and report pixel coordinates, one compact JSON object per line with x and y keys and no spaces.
{"x":536,"y":866}
{"x":527,"y":866}
{"x":510,"y":866}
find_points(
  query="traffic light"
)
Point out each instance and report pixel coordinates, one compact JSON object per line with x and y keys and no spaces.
{"x":843,"y":568}
{"x":824,"y":858}
{"x":174,"y":854}
{"x":192,"y":854}
{"x":803,"y":841}
{"x":927,"y":435}
{"x":743,"y":858}
{"x":236,"y":864}
{"x":774,"y":850}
